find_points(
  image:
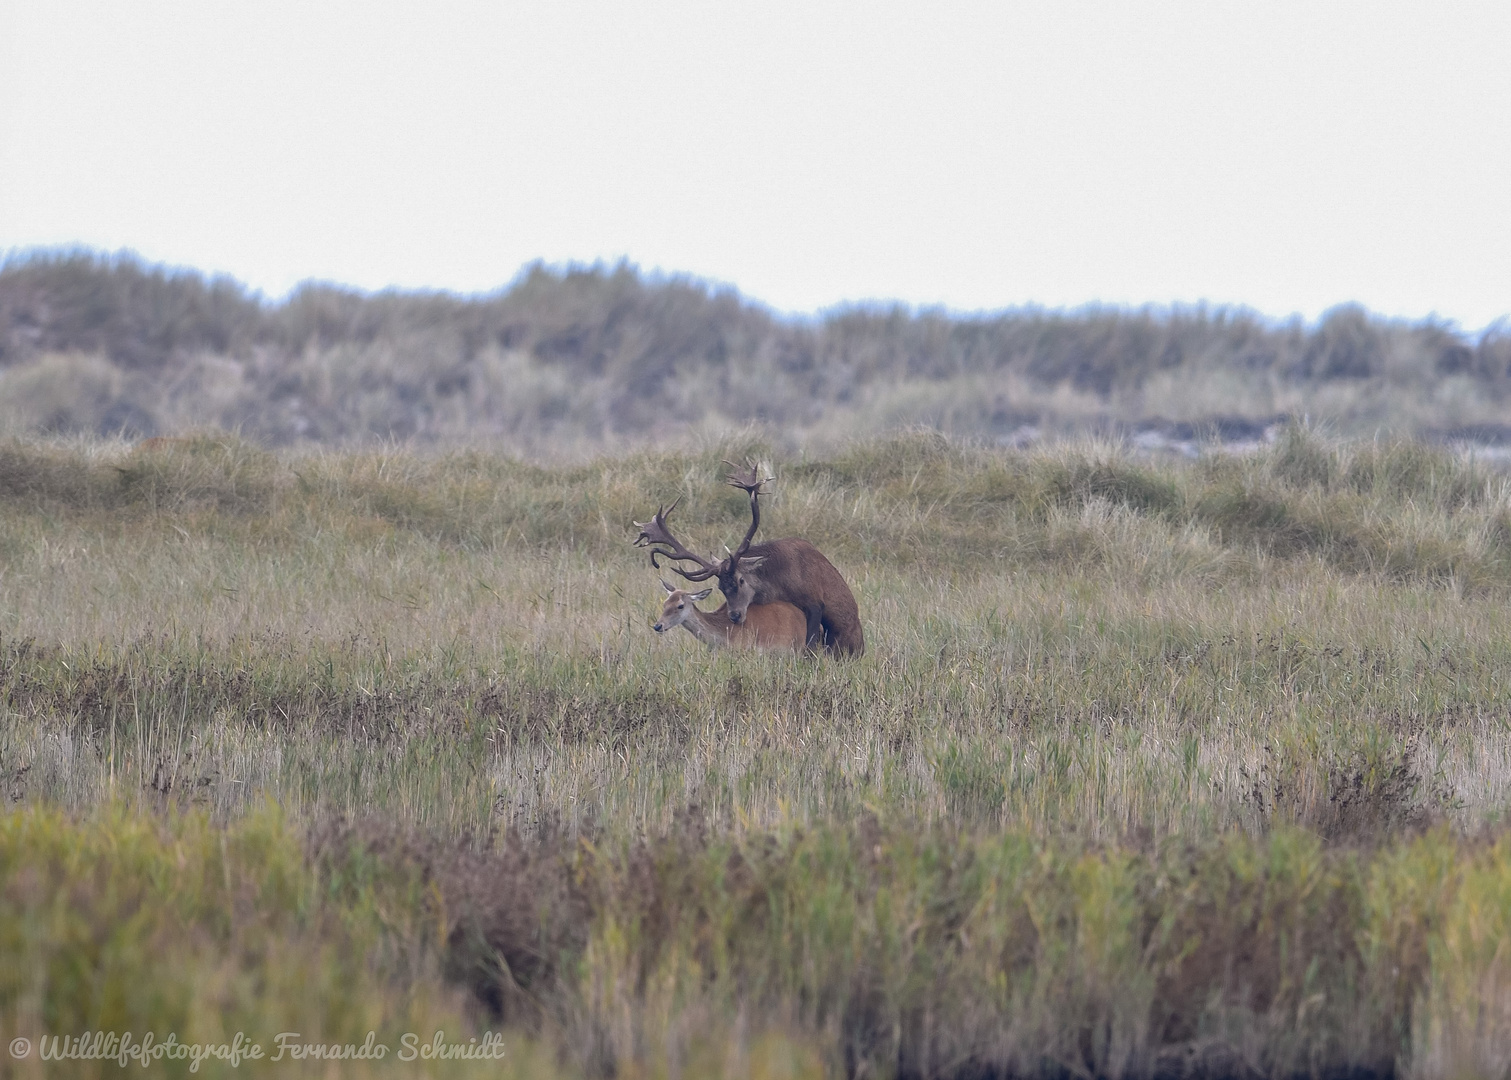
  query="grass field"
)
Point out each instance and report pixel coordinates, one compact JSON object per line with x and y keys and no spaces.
{"x":1150,"y":768}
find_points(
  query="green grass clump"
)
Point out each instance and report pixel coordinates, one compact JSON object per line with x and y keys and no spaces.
{"x":868,"y":948}
{"x":123,"y":923}
{"x":925,"y":955}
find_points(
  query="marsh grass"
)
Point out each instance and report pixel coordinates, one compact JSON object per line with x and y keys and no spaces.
{"x":130,"y":923}
{"x":861,"y":948}
{"x":1144,"y":759}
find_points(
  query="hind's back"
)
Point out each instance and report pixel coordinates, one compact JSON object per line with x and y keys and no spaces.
{"x":776,"y":626}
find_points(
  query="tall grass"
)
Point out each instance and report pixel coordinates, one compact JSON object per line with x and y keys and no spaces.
{"x":1070,"y":639}
{"x":1147,"y":763}
{"x":867,"y":948}
{"x":170,"y":926}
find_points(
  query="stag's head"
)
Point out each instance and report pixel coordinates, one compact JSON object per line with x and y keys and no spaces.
{"x":677,"y":609}
{"x":736,"y":571}
{"x":738,"y":581}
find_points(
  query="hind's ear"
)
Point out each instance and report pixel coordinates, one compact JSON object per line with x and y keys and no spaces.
{"x":668,"y":588}
{"x":695,"y":597}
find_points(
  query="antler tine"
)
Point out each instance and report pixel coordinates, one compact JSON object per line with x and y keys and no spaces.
{"x":747,"y":479}
{"x":658,"y":521}
{"x":659,"y":538}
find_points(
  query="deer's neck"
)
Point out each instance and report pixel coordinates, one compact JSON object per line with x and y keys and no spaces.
{"x":711,"y":628}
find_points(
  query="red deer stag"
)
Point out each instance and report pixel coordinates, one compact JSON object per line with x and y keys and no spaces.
{"x":791,"y":571}
{"x":765,"y":626}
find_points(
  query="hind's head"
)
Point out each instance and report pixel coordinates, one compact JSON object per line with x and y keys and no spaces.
{"x":678,"y":607}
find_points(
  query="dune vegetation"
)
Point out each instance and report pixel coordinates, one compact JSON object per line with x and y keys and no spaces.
{"x":1151,"y":768}
{"x":582,"y":361}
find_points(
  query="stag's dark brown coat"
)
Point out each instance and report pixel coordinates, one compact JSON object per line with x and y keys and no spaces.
{"x":795,"y":572}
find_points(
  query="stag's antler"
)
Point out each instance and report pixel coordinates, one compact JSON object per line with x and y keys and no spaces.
{"x":658,"y":537}
{"x":663,"y":544}
{"x":746,"y":479}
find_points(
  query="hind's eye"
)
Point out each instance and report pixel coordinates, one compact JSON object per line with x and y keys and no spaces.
{"x":681,"y":606}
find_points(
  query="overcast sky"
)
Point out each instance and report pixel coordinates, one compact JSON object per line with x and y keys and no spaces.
{"x":1287,"y":157}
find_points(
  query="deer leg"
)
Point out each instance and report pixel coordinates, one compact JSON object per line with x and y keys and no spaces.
{"x":843,"y":641}
{"x":815,"y":627}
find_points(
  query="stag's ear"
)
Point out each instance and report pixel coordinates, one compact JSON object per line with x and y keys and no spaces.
{"x":752,"y":564}
{"x":669,"y":589}
{"x":695,"y":597}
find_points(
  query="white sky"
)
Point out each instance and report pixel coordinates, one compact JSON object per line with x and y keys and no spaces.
{"x":1285,"y":156}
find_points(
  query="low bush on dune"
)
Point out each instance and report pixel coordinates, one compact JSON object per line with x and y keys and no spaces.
{"x":607,"y":356}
